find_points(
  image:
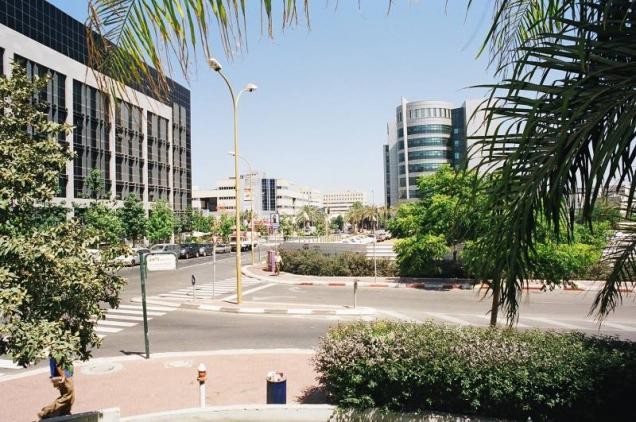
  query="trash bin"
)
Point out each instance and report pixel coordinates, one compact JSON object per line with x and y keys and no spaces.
{"x":276,"y":388}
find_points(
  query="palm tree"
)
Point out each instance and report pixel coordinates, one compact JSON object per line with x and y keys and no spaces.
{"x":562,"y":125}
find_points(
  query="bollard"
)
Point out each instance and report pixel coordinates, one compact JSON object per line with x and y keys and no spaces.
{"x":355,"y":293}
{"x":193,"y":280}
{"x":201,"y":377}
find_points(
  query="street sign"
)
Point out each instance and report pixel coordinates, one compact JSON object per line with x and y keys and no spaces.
{"x":275,"y":226}
{"x":161,"y":261}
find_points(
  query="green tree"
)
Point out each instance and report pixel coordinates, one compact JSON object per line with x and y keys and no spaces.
{"x":133,"y":218}
{"x":420,"y":255}
{"x":225,"y":227}
{"x":338,"y":222}
{"x":95,"y":185}
{"x":161,"y":223}
{"x":105,"y":223}
{"x":286,"y":226}
{"x":200,"y":223}
{"x":51,"y":291}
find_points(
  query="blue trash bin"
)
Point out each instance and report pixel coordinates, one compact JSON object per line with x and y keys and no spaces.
{"x":277,"y":391}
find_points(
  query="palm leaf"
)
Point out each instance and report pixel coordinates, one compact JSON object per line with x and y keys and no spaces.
{"x":136,"y":42}
{"x":562,"y":126}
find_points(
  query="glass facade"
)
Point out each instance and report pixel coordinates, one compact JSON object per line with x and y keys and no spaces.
{"x":49,"y":26}
{"x":458,"y":137}
{"x":268,"y":194}
{"x":425,"y":129}
{"x":90,"y":137}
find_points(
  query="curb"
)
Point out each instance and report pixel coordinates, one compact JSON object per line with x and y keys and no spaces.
{"x":579,"y":285}
{"x":422,"y":286}
{"x":281,"y":311}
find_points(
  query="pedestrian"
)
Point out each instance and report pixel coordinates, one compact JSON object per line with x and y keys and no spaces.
{"x":279,"y":261}
{"x":62,"y":379}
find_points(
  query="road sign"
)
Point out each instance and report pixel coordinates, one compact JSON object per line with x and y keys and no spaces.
{"x":275,"y":226}
{"x":161,"y":261}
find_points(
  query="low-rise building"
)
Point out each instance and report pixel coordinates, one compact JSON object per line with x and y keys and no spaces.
{"x":339,"y":203}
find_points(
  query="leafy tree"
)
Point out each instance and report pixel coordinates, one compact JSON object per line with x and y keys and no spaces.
{"x":338,"y":222}
{"x":225,"y":227}
{"x":186,"y":220}
{"x":420,"y":255}
{"x":51,"y":291}
{"x":200,"y":223}
{"x":105,"y":223}
{"x":286,"y":226}
{"x":95,"y":185}
{"x":161,"y":223}
{"x":133,"y":218}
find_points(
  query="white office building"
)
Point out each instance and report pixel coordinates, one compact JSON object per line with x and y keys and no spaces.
{"x":339,"y":203}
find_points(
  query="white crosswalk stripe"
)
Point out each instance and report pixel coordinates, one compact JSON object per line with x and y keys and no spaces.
{"x":205,"y":291}
{"x":127,"y":316}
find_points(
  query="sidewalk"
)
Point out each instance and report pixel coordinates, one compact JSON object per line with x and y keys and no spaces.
{"x":164,"y":382}
{"x":260,"y":272}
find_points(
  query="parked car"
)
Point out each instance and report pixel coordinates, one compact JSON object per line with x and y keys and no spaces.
{"x":223,"y":248}
{"x":132,"y":258}
{"x":189,"y":250}
{"x":166,"y":247}
{"x":205,"y":249}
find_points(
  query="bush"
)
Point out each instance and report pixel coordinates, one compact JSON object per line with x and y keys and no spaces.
{"x":421,"y":256}
{"x":312,"y":262}
{"x":505,"y":373}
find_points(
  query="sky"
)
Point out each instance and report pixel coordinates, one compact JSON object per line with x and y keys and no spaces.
{"x":325,"y":94}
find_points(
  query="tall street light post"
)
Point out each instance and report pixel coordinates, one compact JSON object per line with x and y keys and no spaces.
{"x":216,"y":66}
{"x":249,"y":166}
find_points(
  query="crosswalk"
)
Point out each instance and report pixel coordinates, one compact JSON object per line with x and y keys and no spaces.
{"x":127,"y":316}
{"x":217,"y":290}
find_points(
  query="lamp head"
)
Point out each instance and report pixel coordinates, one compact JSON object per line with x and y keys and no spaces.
{"x":214,"y":64}
{"x":250,"y":87}
{"x":231,"y":153}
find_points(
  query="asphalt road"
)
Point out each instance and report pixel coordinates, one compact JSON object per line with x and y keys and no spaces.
{"x":194,"y":330}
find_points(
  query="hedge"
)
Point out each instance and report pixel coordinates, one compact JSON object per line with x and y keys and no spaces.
{"x":312,"y":262}
{"x":542,"y":375}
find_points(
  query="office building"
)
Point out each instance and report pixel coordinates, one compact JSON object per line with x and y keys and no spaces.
{"x":425,"y":136}
{"x":266,"y":196}
{"x":339,"y":203}
{"x":139,"y":143}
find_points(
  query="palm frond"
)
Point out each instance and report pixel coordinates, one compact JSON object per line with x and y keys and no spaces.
{"x":136,"y":42}
{"x":563,"y":126}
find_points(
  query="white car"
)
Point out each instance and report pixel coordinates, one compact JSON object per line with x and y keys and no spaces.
{"x":131,"y":259}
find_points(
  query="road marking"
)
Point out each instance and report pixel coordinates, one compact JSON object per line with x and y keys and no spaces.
{"x":149,"y":308}
{"x":251,"y":310}
{"x":499,"y":323}
{"x":133,"y":312}
{"x":100,"y":329}
{"x":126,"y":317}
{"x":256,"y":289}
{"x":298,"y":311}
{"x":448,"y":318}
{"x":115,"y":323}
{"x":556,"y":323}
{"x":401,"y":317}
{"x":619,"y":326}
{"x":153,"y":301}
{"x":8,"y":364}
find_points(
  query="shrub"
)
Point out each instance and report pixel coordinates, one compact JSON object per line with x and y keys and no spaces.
{"x":505,"y":373}
{"x":420,"y":256}
{"x":312,"y":262}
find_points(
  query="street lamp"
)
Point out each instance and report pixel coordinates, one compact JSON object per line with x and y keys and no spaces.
{"x":216,"y":66}
{"x":251,"y":202}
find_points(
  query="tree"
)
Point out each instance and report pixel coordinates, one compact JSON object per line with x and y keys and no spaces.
{"x":133,"y":218}
{"x":161,"y":223}
{"x":339,"y":222}
{"x":105,"y":224}
{"x":418,"y":255}
{"x":51,"y":291}
{"x":226,"y":227}
{"x":95,"y":185}
{"x":200,"y":223}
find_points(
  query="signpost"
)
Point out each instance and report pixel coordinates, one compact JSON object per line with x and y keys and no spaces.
{"x":158,"y":261}
{"x":213,"y":266}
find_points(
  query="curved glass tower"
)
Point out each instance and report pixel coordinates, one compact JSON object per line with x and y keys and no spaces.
{"x":424,"y":131}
